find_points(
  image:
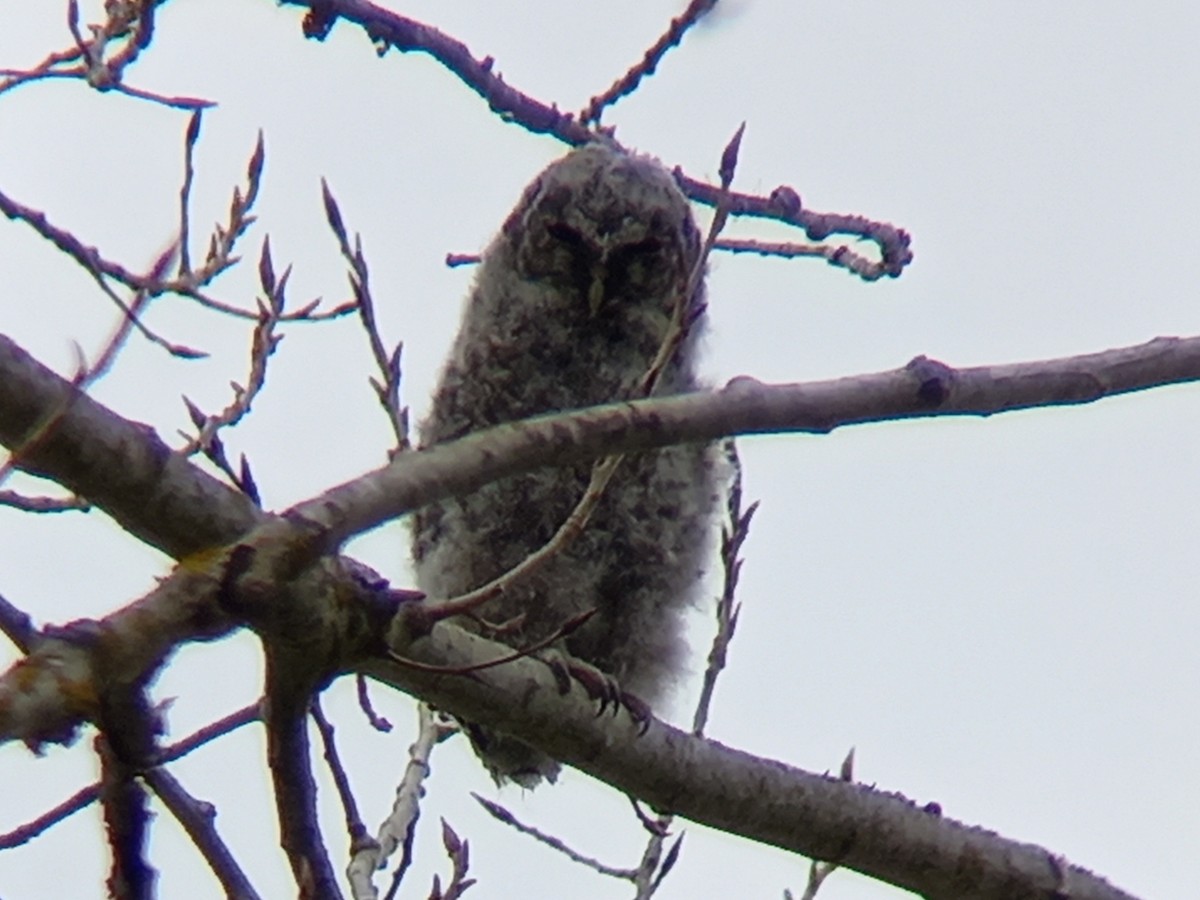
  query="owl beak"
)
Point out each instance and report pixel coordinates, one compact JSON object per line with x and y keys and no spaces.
{"x":596,"y":289}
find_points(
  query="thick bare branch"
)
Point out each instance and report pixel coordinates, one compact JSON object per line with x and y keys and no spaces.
{"x":821,"y":817}
{"x":923,"y":388}
{"x":127,"y":471}
{"x":291,"y":774}
{"x":883,"y":835}
{"x":122,"y":467}
{"x":126,"y":821}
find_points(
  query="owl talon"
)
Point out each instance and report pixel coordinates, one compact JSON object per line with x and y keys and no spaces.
{"x":638,"y":710}
{"x":598,"y":685}
{"x":560,"y":669}
{"x":603,"y":687}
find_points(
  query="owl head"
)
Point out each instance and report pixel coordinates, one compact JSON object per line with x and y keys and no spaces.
{"x":605,"y":228}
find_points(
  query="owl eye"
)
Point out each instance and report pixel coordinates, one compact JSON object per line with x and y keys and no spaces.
{"x":565,"y":234}
{"x":642,"y":247}
{"x":629,"y":253}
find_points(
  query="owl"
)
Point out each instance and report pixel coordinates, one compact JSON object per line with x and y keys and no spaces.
{"x":570,"y":304}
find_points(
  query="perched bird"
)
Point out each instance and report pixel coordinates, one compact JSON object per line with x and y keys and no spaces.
{"x":570,"y":305}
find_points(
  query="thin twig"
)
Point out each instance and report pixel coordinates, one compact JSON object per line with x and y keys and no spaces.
{"x":567,"y":532}
{"x":190,"y":137}
{"x":45,"y":70}
{"x":124,"y":327}
{"x":199,"y":821}
{"x":91,"y":261}
{"x":388,"y":390}
{"x":43,"y":504}
{"x":398,"y":831}
{"x":378,"y":722}
{"x":221,"y":727}
{"x":733,"y":535}
{"x":438,"y":613}
{"x":459,"y":852}
{"x":783,"y":204}
{"x":782,"y":249}
{"x":629,"y":82}
{"x":499,"y":812}
{"x":129,"y":27}
{"x":263,"y":344}
{"x":85,"y":796}
{"x":355,"y":829}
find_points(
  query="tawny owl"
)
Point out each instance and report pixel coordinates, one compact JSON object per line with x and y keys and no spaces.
{"x":570,"y":305}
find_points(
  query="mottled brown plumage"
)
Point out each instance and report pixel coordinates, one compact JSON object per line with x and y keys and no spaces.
{"x":570,"y":305}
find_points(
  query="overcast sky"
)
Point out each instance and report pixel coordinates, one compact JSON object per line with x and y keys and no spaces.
{"x":1000,"y":615}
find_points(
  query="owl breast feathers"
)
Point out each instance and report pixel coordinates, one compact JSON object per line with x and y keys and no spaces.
{"x":571,"y":302}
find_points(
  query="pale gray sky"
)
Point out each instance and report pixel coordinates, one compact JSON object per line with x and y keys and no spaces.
{"x":1000,"y":615}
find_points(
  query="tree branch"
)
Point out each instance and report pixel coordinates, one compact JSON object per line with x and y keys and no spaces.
{"x":923,"y":388}
{"x":44,"y":696}
{"x":121,"y":466}
{"x":127,"y":471}
{"x":388,"y":29}
{"x":882,"y":835}
{"x":199,"y":821}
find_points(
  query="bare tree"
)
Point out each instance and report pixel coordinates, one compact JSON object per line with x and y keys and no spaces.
{"x":321,"y":615}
